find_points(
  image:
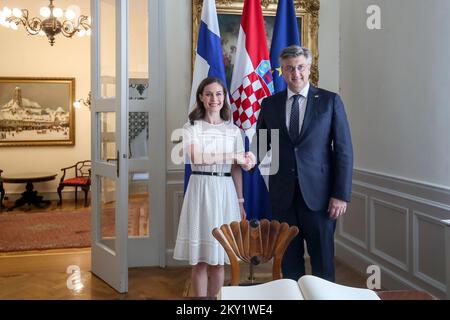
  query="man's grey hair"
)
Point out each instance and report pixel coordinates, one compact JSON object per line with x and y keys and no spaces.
{"x":294,"y":52}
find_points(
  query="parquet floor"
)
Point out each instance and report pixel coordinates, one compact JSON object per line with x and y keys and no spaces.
{"x":42,"y":275}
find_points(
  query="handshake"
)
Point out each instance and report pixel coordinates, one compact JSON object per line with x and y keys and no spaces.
{"x":246,"y":160}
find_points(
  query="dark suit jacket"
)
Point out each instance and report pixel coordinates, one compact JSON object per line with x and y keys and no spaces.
{"x":322,"y":156}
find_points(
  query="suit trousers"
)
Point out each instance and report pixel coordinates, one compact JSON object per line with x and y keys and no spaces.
{"x":317,"y":230}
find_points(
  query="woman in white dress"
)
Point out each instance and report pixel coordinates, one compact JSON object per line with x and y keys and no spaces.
{"x":215,"y":149}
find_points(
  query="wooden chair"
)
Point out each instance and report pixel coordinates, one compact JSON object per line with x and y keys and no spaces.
{"x":255,"y":242}
{"x":80,"y":177}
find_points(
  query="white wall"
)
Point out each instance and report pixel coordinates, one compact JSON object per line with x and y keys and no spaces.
{"x":178,"y":68}
{"x":329,"y":45}
{"x":22,"y":55}
{"x":395,"y":84}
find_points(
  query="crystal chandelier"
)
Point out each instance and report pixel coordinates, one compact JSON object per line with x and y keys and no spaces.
{"x":50,"y":25}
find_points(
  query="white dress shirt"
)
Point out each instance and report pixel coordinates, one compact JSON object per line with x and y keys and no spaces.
{"x":302,"y":104}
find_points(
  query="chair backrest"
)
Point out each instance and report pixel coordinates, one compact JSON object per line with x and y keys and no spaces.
{"x":83,"y":168}
{"x":255,"y":242}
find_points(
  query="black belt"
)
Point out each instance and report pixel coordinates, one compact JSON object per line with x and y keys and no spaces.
{"x":219,"y":174}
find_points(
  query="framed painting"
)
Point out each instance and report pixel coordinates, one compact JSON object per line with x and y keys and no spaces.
{"x":37,"y":111}
{"x":229,"y":15}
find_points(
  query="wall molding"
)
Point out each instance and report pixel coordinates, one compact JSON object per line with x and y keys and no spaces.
{"x":390,"y":280}
{"x":177,"y":200}
{"x":172,"y":262}
{"x":400,"y":209}
{"x":363,"y":244}
{"x":417,"y":215}
{"x":418,"y":204}
{"x":447,"y":249}
{"x":175,"y":194}
{"x":412,"y":182}
{"x":421,"y":192}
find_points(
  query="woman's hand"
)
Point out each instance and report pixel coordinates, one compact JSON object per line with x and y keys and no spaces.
{"x":246,"y":160}
{"x":241,"y":159}
{"x":242,"y":210}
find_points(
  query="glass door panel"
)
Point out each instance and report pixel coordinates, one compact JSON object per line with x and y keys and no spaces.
{"x":138,"y":135}
{"x":107,"y":24}
{"x":107,"y":217}
{"x":138,"y":50}
{"x":107,"y":127}
{"x":138,"y":204}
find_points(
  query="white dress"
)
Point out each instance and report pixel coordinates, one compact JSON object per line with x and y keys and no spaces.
{"x":210,"y":201}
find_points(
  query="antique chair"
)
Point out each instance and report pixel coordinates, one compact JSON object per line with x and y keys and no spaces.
{"x":255,"y":242}
{"x":80,"y":176}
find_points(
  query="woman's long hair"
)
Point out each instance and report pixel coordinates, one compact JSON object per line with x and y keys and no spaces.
{"x":199,"y":111}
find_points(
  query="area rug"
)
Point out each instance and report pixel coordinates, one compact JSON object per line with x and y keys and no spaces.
{"x":56,"y":229}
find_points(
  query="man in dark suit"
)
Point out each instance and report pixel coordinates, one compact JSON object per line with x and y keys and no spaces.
{"x":314,"y":179}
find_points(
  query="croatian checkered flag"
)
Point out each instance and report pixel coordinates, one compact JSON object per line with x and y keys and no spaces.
{"x":250,"y":84}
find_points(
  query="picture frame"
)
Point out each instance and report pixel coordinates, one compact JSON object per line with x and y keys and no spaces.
{"x":37,"y":111}
{"x":229,"y":14}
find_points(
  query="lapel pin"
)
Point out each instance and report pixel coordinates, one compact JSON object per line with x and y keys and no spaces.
{"x":316,"y":96}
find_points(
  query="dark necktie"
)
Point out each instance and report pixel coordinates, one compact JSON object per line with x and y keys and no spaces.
{"x":294,"y":121}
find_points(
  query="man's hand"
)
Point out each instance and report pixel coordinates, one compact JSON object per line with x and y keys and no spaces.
{"x":336,"y":208}
{"x":251,"y":158}
{"x":247,"y":161}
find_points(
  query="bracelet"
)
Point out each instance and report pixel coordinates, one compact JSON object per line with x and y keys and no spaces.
{"x":241,"y":200}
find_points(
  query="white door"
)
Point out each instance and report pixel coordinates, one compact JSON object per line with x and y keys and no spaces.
{"x":146,"y":133}
{"x":128,"y":138}
{"x":109,"y":140}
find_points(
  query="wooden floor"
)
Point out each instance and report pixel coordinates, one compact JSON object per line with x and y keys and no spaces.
{"x":42,"y":275}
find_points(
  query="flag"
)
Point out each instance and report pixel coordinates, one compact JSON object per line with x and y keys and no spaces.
{"x":250,"y":84}
{"x":208,"y":58}
{"x":285,"y":33}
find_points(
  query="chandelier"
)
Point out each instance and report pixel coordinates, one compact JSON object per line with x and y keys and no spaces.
{"x":50,"y":25}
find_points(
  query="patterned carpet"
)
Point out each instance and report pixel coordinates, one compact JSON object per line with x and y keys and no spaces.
{"x":45,"y":230}
{"x":56,"y":229}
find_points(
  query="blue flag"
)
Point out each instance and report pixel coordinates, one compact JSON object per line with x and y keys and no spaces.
{"x":285,"y":33}
{"x":208,"y":59}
